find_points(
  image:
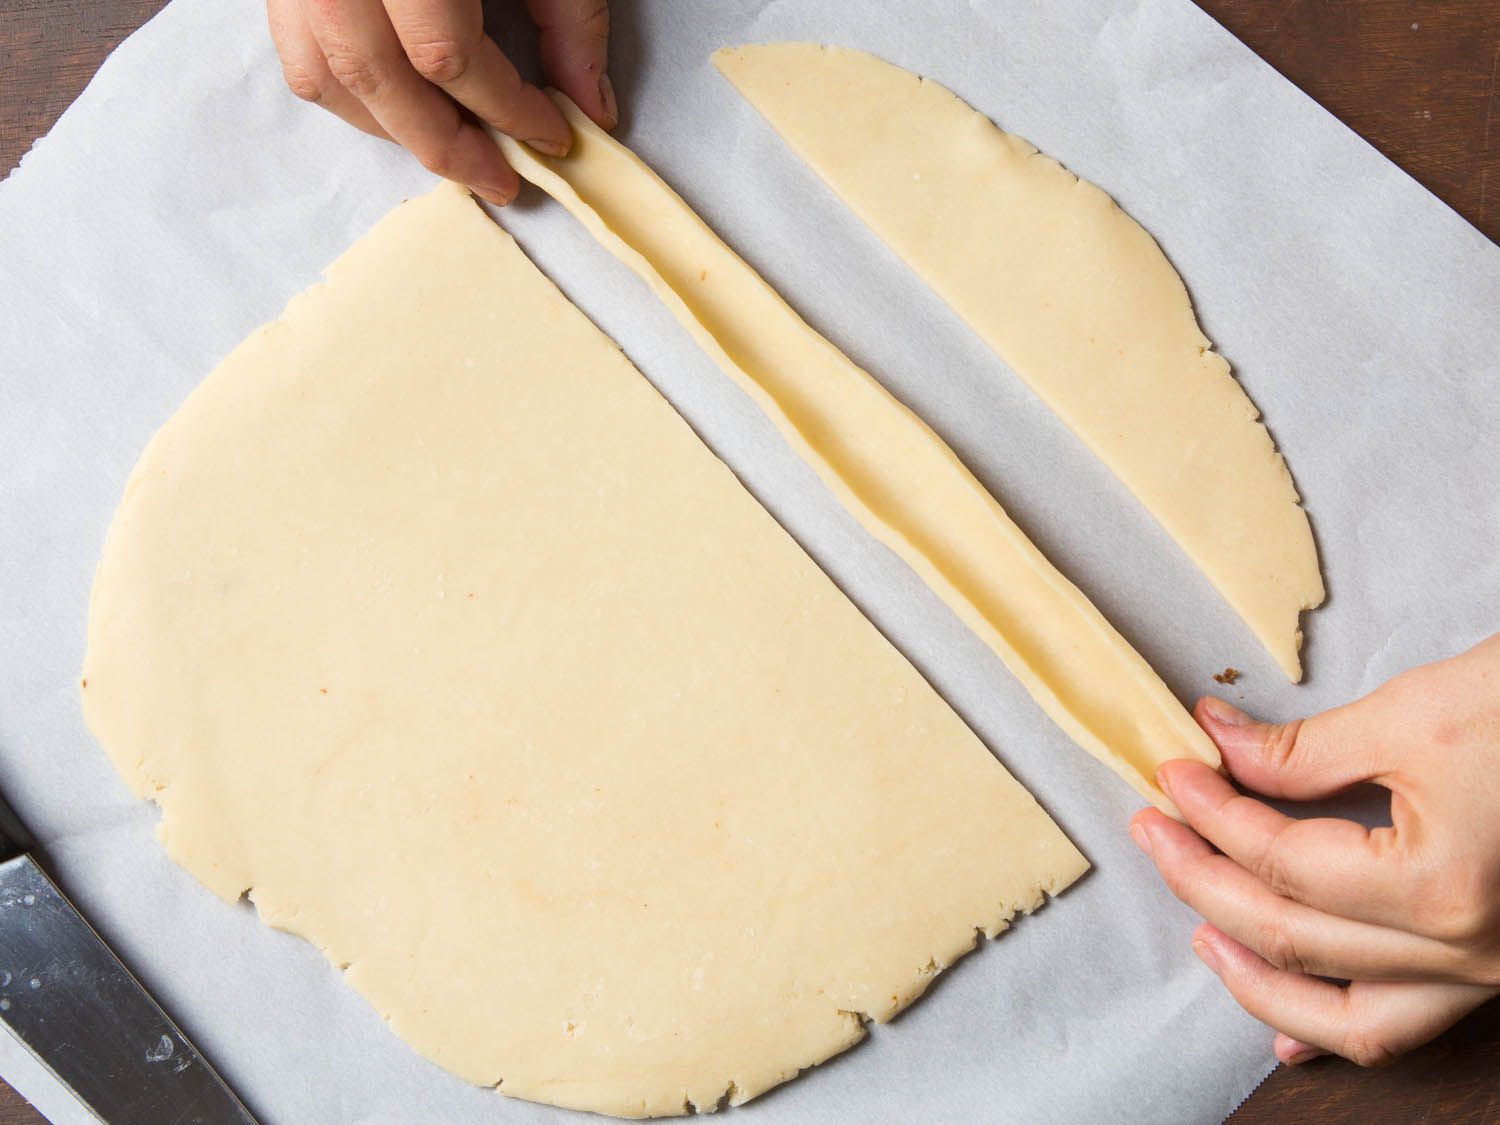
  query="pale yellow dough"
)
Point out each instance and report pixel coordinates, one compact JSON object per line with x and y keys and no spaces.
{"x":884,"y":464}
{"x":1072,"y":293}
{"x":429,"y":622}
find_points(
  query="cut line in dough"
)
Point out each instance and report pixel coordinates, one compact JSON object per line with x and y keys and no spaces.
{"x":884,"y":464}
{"x":1072,"y":293}
{"x":430,"y":622}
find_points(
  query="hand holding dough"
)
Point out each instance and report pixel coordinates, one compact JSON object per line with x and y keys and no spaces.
{"x":420,"y":72}
{"x":1408,"y":914}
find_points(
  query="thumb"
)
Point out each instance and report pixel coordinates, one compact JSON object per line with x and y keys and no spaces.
{"x":1299,"y":760}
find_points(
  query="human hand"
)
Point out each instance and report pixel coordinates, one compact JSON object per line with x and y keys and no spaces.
{"x":420,"y":72}
{"x":1408,"y":914}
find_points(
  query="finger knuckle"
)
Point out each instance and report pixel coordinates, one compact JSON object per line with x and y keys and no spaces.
{"x":1276,"y":944}
{"x":442,"y":60}
{"x":437,"y":159}
{"x":1281,"y":745}
{"x":1453,"y":904}
{"x":438,"y":155}
{"x":591,"y":23}
{"x":304,"y":83}
{"x":595,"y":21}
{"x":1460,"y":922}
{"x":357,"y":73}
{"x":1369,"y":1047}
{"x":1274,"y":867}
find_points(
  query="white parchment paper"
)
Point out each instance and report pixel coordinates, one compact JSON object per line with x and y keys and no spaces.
{"x":186,"y":196}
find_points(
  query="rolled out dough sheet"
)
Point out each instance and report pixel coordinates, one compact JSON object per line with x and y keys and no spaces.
{"x":1072,"y":293}
{"x":885,"y":465}
{"x":428,"y":622}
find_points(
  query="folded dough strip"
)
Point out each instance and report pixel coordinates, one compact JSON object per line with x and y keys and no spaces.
{"x":886,"y":466}
{"x":1072,"y":293}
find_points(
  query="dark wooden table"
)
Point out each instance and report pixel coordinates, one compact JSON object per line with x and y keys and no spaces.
{"x":1419,"y":80}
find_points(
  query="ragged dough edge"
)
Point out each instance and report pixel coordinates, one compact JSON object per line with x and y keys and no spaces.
{"x":142,"y":782}
{"x":1140,"y":689}
{"x":843,"y":1030}
{"x":228,"y":883}
{"x":1269,"y":601}
{"x":848,"y":1030}
{"x":220,"y":865}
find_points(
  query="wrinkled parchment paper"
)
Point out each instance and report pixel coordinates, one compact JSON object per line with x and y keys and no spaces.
{"x":186,"y":196}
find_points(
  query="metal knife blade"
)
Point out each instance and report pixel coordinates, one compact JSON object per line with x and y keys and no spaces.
{"x":68,"y":998}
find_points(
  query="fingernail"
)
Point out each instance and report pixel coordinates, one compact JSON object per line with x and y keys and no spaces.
{"x":1141,"y":837}
{"x":549,"y":147}
{"x":1206,"y":953}
{"x":1164,"y":779}
{"x":1226,"y":713}
{"x":607,"y":97}
{"x":498,"y":196}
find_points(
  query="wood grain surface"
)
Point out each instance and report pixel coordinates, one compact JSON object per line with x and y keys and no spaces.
{"x":1416,"y":79}
{"x":1420,"y":81}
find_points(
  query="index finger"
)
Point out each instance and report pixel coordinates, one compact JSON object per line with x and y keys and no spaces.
{"x":1336,"y":866}
{"x":366,"y":57}
{"x":447,"y":45}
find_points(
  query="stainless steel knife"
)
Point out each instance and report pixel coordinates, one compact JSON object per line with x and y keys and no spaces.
{"x":81,"y":1013}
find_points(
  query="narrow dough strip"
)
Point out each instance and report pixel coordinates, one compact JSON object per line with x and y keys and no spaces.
{"x":1072,"y":293}
{"x":883,"y":463}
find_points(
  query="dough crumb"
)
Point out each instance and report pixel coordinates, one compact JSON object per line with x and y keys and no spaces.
{"x":1228,"y":676}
